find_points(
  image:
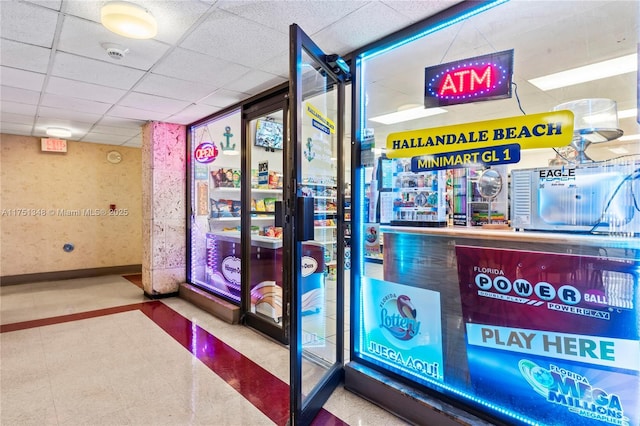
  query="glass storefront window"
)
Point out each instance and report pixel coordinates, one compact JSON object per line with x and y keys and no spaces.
{"x":500,"y":233}
{"x":216,"y":205}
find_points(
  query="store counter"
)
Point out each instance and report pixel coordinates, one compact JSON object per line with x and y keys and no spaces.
{"x":524,"y":237}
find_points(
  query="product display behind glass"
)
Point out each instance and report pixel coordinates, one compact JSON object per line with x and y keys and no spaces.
{"x":216,"y":192}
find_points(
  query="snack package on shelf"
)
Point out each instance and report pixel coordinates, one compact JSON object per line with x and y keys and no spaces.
{"x":235,"y":208}
{"x":270,"y":204}
{"x":275,"y":180}
{"x":226,"y":178}
{"x":273,"y":231}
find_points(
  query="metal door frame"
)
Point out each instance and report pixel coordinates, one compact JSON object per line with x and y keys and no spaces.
{"x":302,"y":412}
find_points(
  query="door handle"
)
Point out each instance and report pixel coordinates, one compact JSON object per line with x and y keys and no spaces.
{"x":304,"y":219}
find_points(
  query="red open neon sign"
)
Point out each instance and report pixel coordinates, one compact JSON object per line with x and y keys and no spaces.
{"x":481,"y":78}
{"x":206,"y":152}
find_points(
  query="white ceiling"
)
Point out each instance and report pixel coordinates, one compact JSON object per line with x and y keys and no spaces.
{"x":207,"y":55}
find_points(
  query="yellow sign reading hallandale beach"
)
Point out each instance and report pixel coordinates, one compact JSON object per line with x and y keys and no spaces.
{"x":546,"y":130}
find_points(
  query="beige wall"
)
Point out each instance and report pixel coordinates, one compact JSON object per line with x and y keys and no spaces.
{"x":83,"y":184}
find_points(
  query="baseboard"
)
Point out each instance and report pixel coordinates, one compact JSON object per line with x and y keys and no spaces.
{"x":161,"y":296}
{"x":65,"y":275}
{"x":222,"y":309}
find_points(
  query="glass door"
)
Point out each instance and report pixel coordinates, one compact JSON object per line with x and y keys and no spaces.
{"x":264,"y":286}
{"x":315,"y":206}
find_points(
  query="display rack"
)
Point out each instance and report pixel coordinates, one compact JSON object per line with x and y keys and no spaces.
{"x":419,"y":198}
{"x":469,"y":207}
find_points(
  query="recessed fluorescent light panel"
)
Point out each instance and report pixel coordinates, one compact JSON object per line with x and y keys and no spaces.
{"x":610,"y":68}
{"x":407,"y":115}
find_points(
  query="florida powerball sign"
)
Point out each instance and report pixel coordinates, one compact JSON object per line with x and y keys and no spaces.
{"x":553,"y":337}
{"x":402,"y":329}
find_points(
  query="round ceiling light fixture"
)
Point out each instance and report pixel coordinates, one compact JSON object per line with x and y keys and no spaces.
{"x":128,"y":20}
{"x":58,"y":132}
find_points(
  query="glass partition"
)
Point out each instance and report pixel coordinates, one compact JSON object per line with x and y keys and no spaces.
{"x":497,"y":215}
{"x":215,"y":169}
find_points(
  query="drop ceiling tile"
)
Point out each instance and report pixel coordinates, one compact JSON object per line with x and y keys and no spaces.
{"x":22,"y":96}
{"x":192,"y":114}
{"x":146,"y":102}
{"x":17,"y":108}
{"x":127,"y":112}
{"x":223,"y":97}
{"x":79,"y":89}
{"x":278,"y":65}
{"x":8,"y":117}
{"x":196,"y":67}
{"x":155,"y":84}
{"x":20,"y":78}
{"x":86,"y":9}
{"x":418,"y":10}
{"x":134,"y":142}
{"x":51,"y":4}
{"x":24,"y":56}
{"x":105,"y":139}
{"x":174,"y":17}
{"x":112,"y":130}
{"x":65,"y":114}
{"x":124,"y":123}
{"x":251,"y":46}
{"x":88,"y":70}
{"x":75,"y":104}
{"x":349,"y":33}
{"x":15,"y":129}
{"x":311,"y":16}
{"x":254,"y":82}
{"x":18,"y":20}
{"x":87,"y":38}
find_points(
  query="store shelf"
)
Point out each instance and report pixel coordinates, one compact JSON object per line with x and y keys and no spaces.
{"x":322,"y":185}
{"x":267,"y":190}
{"x":225,"y":189}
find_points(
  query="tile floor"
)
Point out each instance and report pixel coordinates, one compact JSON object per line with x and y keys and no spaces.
{"x":97,"y":352}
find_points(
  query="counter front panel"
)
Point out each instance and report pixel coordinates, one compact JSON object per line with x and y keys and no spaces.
{"x":547,"y":318}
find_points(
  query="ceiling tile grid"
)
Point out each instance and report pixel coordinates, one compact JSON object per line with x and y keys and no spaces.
{"x":207,"y":55}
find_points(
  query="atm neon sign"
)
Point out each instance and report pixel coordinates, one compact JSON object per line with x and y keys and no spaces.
{"x":481,"y":78}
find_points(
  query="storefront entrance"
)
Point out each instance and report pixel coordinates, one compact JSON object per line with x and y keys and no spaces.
{"x":314,"y":205}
